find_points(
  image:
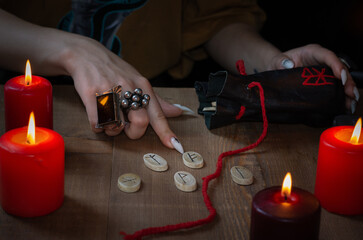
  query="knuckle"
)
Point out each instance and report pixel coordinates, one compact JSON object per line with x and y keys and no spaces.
{"x":141,"y":122}
{"x":313,"y":46}
{"x":160,"y":116}
{"x":86,"y":91}
{"x":142,"y":81}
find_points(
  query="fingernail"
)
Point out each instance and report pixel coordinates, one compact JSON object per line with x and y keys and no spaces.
{"x":353,"y":106}
{"x":356,"y":93}
{"x":344,"y":76}
{"x":186,"y":110}
{"x":287,"y":63}
{"x":177,"y":145}
{"x":345,"y":62}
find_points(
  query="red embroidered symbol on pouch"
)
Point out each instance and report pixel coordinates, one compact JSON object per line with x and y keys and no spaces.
{"x":317,"y":78}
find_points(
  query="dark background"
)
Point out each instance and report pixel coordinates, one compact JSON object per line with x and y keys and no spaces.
{"x":336,"y":25}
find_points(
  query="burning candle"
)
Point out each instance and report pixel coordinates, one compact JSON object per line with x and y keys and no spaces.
{"x":285,"y":213}
{"x":339,"y":175}
{"x":31,"y":171}
{"x":24,"y":94}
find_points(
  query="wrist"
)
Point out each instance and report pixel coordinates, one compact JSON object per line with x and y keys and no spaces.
{"x":78,"y":51}
{"x":54,"y":50}
{"x":65,"y":57}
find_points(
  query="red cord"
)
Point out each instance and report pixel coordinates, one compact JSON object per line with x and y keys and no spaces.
{"x":212,"y":211}
{"x":241,"y":112}
{"x":240,"y":65}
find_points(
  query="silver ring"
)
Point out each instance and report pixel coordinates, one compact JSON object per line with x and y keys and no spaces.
{"x":135,"y":100}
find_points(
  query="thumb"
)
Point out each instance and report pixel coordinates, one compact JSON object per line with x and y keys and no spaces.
{"x":169,"y":109}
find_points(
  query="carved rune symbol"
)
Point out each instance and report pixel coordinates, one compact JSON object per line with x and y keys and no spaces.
{"x":315,"y":78}
{"x":153,"y":158}
{"x":127,"y":179}
{"x":239,"y":171}
{"x":185,"y":181}
{"x":182,"y":176}
{"x":192,"y":156}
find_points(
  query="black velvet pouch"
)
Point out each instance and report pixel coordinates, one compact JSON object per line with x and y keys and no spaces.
{"x":308,"y":95}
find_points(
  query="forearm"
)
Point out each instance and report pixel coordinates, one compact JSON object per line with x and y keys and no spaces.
{"x":240,"y":41}
{"x":19,"y":40}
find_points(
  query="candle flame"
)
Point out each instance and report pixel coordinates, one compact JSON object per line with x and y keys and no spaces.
{"x":356,"y":132}
{"x":30,"y":137}
{"x":286,"y":186}
{"x":28,"y":73}
{"x":104,"y":101}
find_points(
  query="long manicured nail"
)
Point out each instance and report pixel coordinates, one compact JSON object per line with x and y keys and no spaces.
{"x":344,"y":76}
{"x":353,"y":106}
{"x":186,"y":110}
{"x":287,"y":63}
{"x":356,"y":93}
{"x":345,"y":62}
{"x":177,"y":145}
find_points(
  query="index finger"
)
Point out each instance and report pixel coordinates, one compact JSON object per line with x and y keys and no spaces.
{"x":157,"y":118}
{"x":325,"y":56}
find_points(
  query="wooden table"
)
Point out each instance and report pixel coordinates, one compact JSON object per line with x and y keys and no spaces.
{"x":94,"y":207}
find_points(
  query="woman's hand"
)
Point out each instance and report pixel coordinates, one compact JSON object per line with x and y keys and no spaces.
{"x":95,"y":69}
{"x":314,"y":54}
{"x":241,"y":41}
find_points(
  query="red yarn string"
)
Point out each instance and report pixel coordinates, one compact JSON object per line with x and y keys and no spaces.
{"x":240,"y":65}
{"x":241,"y":112}
{"x":212,"y":211}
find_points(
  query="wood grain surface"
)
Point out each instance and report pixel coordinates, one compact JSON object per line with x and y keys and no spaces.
{"x":94,"y":207}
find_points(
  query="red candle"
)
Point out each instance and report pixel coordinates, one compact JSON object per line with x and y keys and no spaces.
{"x":280,"y":214}
{"x":31,"y":171}
{"x":26,"y":94}
{"x":339,"y":175}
